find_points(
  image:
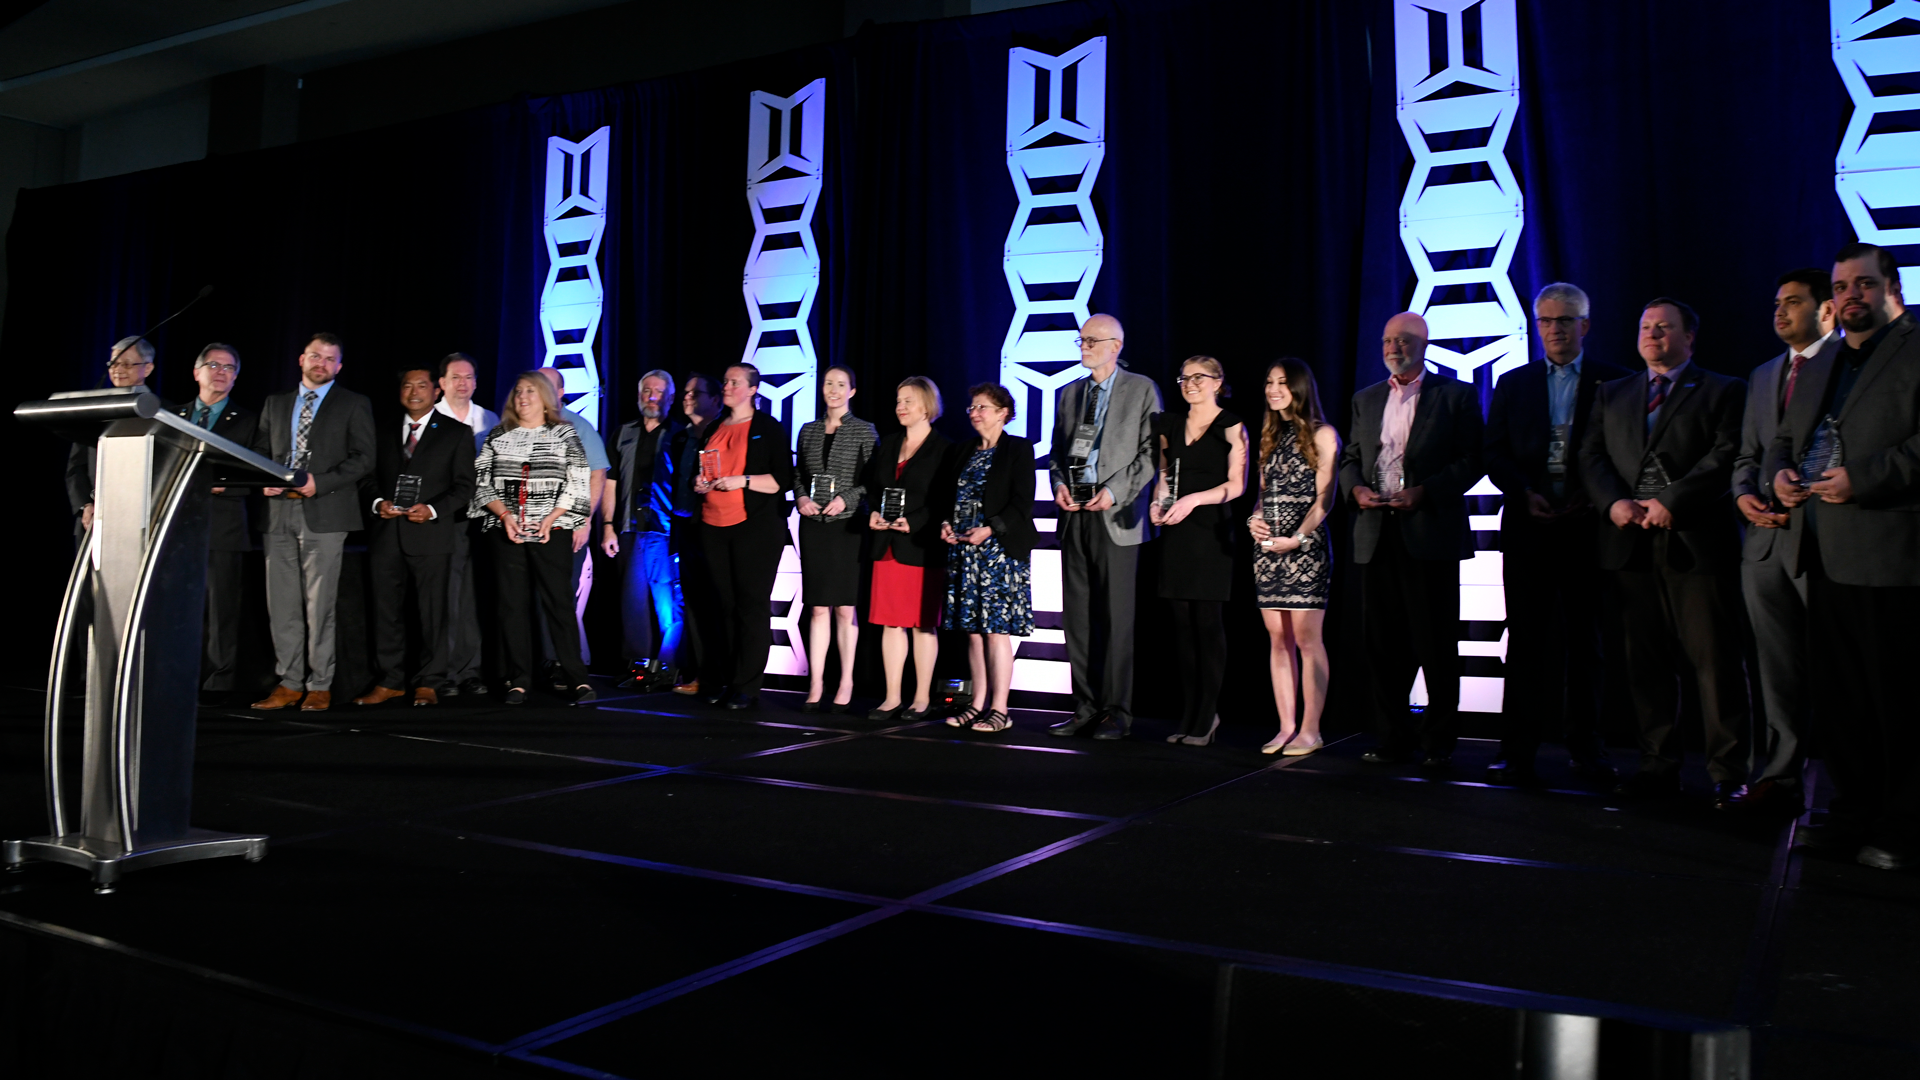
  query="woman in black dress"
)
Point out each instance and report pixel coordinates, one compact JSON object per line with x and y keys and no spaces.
{"x":834,"y":451}
{"x":1203,"y":467}
{"x":1292,"y":567}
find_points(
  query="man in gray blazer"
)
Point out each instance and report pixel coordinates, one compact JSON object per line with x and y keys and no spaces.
{"x":326,"y":432}
{"x":1855,"y":533}
{"x":1777,"y":599}
{"x":1414,"y":450}
{"x":1102,"y":442}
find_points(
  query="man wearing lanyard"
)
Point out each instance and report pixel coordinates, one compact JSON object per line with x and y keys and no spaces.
{"x":215,"y":370}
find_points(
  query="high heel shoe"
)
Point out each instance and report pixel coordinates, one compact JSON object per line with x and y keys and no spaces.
{"x":1302,"y":748}
{"x":1274,"y":745}
{"x":886,"y":714}
{"x":1207,"y":739}
{"x":810,"y":706}
{"x":838,"y":707}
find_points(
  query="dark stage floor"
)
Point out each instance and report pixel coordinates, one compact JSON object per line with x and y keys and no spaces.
{"x":655,"y":885}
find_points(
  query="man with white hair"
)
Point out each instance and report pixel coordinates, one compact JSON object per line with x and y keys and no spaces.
{"x":638,"y":503}
{"x":129,"y":363}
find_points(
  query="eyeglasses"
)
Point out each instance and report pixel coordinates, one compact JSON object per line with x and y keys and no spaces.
{"x":126,"y":365}
{"x":1194,"y":378}
{"x":981,"y":408}
{"x":224,"y":369}
{"x":1089,"y":342}
{"x":1564,"y":322}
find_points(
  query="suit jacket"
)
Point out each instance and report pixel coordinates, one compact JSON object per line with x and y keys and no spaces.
{"x":340,"y":452}
{"x":443,"y":460}
{"x":1128,"y":460}
{"x":1519,"y":429}
{"x":1006,"y":499}
{"x":1757,"y":431}
{"x":228,"y":514}
{"x":1443,"y":457}
{"x":1871,"y":539}
{"x":1696,"y":439}
{"x":768,"y":453}
{"x":927,"y":479}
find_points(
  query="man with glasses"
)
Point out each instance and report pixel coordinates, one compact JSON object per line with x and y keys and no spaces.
{"x":1553,"y":585}
{"x":1102,"y":467}
{"x":129,"y":363}
{"x":228,"y":539}
{"x":459,"y":378}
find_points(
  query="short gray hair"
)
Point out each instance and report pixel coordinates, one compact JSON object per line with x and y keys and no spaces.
{"x":140,"y":345}
{"x":1566,"y":293}
{"x":656,"y":373}
{"x":219,"y":346}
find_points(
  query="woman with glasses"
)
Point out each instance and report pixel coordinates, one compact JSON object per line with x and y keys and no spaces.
{"x":1292,"y":566}
{"x":990,"y":538}
{"x":906,"y":504}
{"x":834,"y":452}
{"x":1203,"y":467}
{"x":530,"y":491}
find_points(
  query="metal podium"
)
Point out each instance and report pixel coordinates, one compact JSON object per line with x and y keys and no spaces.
{"x":130,"y":625}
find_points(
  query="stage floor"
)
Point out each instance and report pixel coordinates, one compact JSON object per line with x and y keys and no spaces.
{"x":654,"y":884}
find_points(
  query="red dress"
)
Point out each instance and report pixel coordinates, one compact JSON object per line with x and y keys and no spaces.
{"x":906,"y":595}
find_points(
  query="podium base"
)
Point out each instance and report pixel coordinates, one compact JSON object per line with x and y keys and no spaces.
{"x":106,"y":860}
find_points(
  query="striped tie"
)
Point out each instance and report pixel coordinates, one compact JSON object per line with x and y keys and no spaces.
{"x":413,"y":437}
{"x":300,"y":452}
{"x":1657,"y":394}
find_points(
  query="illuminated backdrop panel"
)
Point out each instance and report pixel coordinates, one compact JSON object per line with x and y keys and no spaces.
{"x":570,"y":303}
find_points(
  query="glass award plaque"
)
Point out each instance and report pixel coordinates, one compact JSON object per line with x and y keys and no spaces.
{"x":893,"y":503}
{"x":1557,"y":444}
{"x":1270,"y":514}
{"x":821,"y":489}
{"x":966,"y":516}
{"x":709,"y":465}
{"x":406,"y":490}
{"x":1082,"y":494}
{"x":1388,"y":479}
{"x":1653,"y":478}
{"x":1824,"y":453}
{"x":1172,"y":474}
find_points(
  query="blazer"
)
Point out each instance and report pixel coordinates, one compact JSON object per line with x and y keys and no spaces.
{"x":1871,"y":539}
{"x":443,"y":460}
{"x":653,"y":486}
{"x":1757,"y":429}
{"x":340,"y":452}
{"x":228,"y":512}
{"x":1520,"y":427}
{"x":852,"y":449}
{"x":767,"y":452}
{"x":1006,"y":499}
{"x":927,"y":480}
{"x":1443,"y":457}
{"x":1696,"y":439}
{"x":1128,"y":457}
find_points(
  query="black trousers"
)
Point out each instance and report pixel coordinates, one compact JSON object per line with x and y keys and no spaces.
{"x":1410,"y":613}
{"x":226,"y":606}
{"x":1676,"y":621}
{"x":1200,"y":643}
{"x":742,"y":561}
{"x":517,"y":570}
{"x":1097,"y":581}
{"x":391,"y":571}
{"x":1864,"y":708}
{"x":1555,"y":596}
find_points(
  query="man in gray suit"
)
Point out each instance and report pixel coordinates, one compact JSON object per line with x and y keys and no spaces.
{"x":1776,"y":598}
{"x":1855,"y":532}
{"x":1414,"y":450}
{"x":326,"y":432}
{"x":1102,"y":466}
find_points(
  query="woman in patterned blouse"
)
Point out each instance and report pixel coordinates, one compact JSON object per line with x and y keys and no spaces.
{"x":531,"y":492}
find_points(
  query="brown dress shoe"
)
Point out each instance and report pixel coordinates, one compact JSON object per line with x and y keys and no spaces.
{"x":376,"y":695}
{"x":691,"y":686}
{"x":281,"y":697}
{"x":426,"y":695}
{"x":318,"y":701}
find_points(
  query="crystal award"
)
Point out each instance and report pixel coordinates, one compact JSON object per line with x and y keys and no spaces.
{"x":1172,"y":474}
{"x":406,"y":490}
{"x":1653,"y":478}
{"x":1388,"y":478}
{"x":966,"y":516}
{"x":1557,"y":444}
{"x":893,"y":503}
{"x":1824,"y":453}
{"x":1270,"y":510}
{"x":821,"y":489}
{"x":709,"y":466}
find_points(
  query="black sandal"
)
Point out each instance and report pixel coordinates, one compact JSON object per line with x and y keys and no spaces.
{"x":993,"y":722}
{"x":964,"y":717}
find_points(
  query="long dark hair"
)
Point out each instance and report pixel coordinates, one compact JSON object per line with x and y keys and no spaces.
{"x":1304,"y":413}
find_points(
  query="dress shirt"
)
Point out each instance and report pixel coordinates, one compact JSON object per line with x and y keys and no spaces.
{"x":478,"y":418}
{"x":1563,"y":390}
{"x":1673,"y":383}
{"x":590,"y":440}
{"x":1396,"y":423}
{"x":205,"y":415}
{"x":1103,"y":392}
{"x":407,"y":426}
{"x":300,"y":402}
{"x":1795,"y":357}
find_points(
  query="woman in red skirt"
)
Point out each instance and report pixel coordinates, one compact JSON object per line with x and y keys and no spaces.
{"x":909,"y":560}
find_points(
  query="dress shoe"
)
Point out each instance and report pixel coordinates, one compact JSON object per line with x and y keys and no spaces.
{"x":1597,"y":769}
{"x":317,"y":701}
{"x":809,"y":706}
{"x":1725,"y":792}
{"x":878,"y":714}
{"x":1510,"y":773}
{"x":691,"y":688}
{"x":1301,"y":747}
{"x":737,"y":702}
{"x":1769,"y":796}
{"x":1201,"y":740}
{"x":281,"y":697}
{"x":1885,"y":855}
{"x":1645,"y":782}
{"x":838,"y":707}
{"x":554,"y":675}
{"x":582,"y":694}
{"x":1072,"y":724}
{"x":473,"y":687}
{"x":379,"y":695}
{"x":1437,"y":762}
{"x":426,"y":695}
{"x":1384,"y":756}
{"x":915,"y":715}
{"x":719,"y":694}
{"x":1113,"y":726}
{"x":514,"y":696}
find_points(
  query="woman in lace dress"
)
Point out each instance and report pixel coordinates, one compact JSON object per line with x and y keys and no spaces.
{"x":1292,"y":566}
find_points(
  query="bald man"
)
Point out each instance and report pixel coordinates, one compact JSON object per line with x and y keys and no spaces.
{"x":1414,"y":451}
{"x":1102,"y":466}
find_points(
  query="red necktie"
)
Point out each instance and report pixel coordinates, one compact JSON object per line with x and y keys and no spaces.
{"x":1786,"y":397}
{"x":413,"y":437}
{"x":1659,"y":394}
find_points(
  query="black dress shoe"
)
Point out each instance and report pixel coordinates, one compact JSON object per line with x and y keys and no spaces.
{"x":1661,"y":782}
{"x":1726,"y":794}
{"x":736,"y":702}
{"x":515,"y":696}
{"x":1113,"y":726}
{"x":1510,"y":773}
{"x":878,"y":714}
{"x":717,"y":695}
{"x":1437,"y":762}
{"x":809,"y":706}
{"x":1072,"y":724}
{"x":1385,"y":757}
{"x":914,"y":716}
{"x":473,"y":687}
{"x":554,"y":675}
{"x":1598,"y":769}
{"x":838,"y":707}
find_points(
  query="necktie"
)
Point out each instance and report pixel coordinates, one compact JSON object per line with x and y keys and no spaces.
{"x":203,"y":416}
{"x":1657,"y":394}
{"x":1093,"y":403}
{"x":300,"y":433}
{"x":413,"y":437}
{"x":1786,"y":396}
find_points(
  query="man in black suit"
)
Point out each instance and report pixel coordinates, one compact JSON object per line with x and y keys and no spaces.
{"x":215,"y":370}
{"x":1658,"y":457}
{"x":324,"y":431}
{"x":1776,"y":597}
{"x":1554,"y":589}
{"x":129,"y":363}
{"x":1414,"y":451}
{"x":414,"y":542}
{"x":1855,"y":533}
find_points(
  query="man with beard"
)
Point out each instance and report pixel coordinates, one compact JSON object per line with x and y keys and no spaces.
{"x":638,"y":500}
{"x":1855,"y":532}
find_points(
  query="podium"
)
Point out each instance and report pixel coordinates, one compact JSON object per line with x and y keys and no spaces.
{"x":129,"y":634}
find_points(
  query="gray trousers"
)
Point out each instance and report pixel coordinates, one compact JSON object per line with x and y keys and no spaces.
{"x":463,"y":612}
{"x":303,"y":581}
{"x":1098,"y":591}
{"x":1777,"y":607}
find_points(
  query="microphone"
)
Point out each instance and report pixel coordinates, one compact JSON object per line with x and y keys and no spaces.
{"x":205,"y":291}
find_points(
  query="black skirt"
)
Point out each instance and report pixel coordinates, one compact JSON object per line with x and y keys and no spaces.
{"x":830,"y":554}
